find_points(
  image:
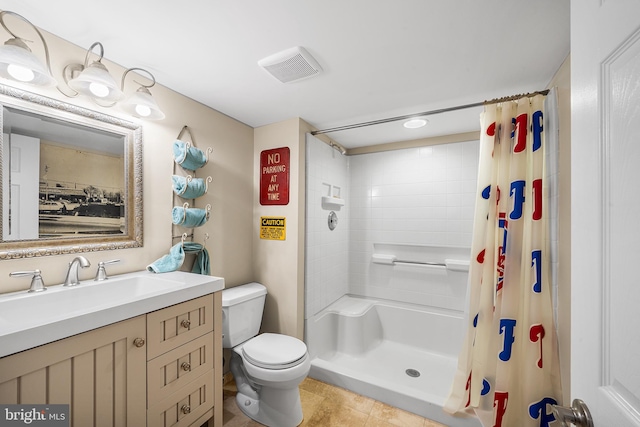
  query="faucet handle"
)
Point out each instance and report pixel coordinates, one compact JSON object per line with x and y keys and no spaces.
{"x":37,"y":284}
{"x":101,"y":274}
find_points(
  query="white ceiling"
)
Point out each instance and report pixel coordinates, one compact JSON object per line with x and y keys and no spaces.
{"x":380,"y":58}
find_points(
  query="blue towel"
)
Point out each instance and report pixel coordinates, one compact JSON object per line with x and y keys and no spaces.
{"x":189,"y":217}
{"x":170,"y":262}
{"x":201,"y":264}
{"x":187,"y":187}
{"x":192,"y":247}
{"x":189,"y":158}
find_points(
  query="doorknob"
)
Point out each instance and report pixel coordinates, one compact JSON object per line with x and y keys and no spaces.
{"x":577,"y":414}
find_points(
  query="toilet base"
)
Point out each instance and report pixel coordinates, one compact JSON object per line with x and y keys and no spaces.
{"x":275,"y":408}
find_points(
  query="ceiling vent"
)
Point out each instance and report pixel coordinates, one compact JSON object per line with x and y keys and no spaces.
{"x":291,"y":65}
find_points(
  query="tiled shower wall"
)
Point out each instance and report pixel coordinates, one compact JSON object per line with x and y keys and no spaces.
{"x":327,"y":251}
{"x":414,"y":197}
{"x":409,"y":200}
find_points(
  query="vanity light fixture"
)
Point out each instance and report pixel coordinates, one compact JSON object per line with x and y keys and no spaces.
{"x":18,"y":63}
{"x":141,"y":103}
{"x":93,"y":79}
{"x":415,"y":123}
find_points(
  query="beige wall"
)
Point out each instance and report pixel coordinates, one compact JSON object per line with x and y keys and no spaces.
{"x":280,"y":264}
{"x":230,"y":194}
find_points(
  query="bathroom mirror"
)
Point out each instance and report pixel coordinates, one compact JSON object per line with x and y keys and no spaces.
{"x":71,"y":178}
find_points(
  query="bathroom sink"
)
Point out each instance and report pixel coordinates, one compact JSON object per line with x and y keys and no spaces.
{"x":31,"y":319}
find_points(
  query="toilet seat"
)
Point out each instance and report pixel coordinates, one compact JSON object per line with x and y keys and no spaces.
{"x":274,"y":351}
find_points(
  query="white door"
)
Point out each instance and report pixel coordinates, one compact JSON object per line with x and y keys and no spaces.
{"x":605,"y":209}
{"x":20,"y":192}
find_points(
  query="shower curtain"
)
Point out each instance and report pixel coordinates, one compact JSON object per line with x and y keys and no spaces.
{"x":508,"y":369}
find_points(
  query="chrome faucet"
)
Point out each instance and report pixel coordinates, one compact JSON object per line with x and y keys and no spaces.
{"x":72,"y":273}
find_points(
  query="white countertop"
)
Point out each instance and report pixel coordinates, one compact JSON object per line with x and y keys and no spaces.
{"x":28,"y":320}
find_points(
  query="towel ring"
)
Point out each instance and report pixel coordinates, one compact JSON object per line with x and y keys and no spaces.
{"x":188,"y":179}
{"x":206,"y":184}
{"x":204,"y":241}
{"x":209,"y":150}
{"x":184,"y":237}
{"x":208,"y":209}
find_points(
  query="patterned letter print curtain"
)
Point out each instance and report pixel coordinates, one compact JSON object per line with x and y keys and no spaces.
{"x":508,"y":369}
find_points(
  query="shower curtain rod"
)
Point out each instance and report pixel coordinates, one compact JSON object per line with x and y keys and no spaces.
{"x":429,"y":113}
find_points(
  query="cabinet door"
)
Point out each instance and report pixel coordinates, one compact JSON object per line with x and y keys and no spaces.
{"x":100,"y":373}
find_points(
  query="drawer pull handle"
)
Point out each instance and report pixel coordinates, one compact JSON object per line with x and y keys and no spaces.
{"x":138,"y":342}
{"x":185,"y":323}
{"x":186,"y":366}
{"x":185,"y":409}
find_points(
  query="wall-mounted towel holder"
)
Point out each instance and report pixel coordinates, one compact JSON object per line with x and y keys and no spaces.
{"x":191,"y":143}
{"x":183,"y":238}
{"x":187,"y":186}
{"x":209,"y":150}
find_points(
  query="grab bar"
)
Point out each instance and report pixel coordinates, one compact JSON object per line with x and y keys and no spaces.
{"x":419,"y":264}
{"x":449,"y":264}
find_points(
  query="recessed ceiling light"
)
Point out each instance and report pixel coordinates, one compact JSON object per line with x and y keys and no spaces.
{"x":415,"y":123}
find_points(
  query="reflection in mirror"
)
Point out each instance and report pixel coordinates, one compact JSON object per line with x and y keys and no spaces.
{"x":71,"y":178}
{"x":76,"y":172}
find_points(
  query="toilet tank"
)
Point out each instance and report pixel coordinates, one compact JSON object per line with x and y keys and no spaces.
{"x":242,"y":308}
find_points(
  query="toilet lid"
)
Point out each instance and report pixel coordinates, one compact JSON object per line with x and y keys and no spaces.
{"x":274,"y":351}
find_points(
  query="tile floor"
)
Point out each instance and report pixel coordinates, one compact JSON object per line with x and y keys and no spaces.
{"x":325,"y":405}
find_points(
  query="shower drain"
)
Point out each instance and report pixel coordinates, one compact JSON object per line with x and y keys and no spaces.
{"x":413,"y":373}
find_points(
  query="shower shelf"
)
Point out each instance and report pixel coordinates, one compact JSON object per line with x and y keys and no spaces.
{"x":332,"y":201}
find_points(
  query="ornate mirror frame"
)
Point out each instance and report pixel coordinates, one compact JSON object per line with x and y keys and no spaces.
{"x":132,"y":134}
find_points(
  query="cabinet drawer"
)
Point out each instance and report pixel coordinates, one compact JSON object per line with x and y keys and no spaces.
{"x":184,"y":406}
{"x":173,"y":370}
{"x":173,"y":326}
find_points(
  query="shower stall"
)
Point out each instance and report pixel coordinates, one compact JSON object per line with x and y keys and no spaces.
{"x":388,"y":237}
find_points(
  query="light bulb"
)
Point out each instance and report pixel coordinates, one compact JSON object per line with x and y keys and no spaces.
{"x":20,"y":73}
{"x":143,"y":110}
{"x":99,"y":90}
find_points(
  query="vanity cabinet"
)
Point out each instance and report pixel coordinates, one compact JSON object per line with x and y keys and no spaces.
{"x":101,"y":372}
{"x":157,"y":369}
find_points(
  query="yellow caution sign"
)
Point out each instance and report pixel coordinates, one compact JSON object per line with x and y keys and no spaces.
{"x":273,"y":228}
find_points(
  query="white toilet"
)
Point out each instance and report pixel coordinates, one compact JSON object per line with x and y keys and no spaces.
{"x":267,"y":368}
